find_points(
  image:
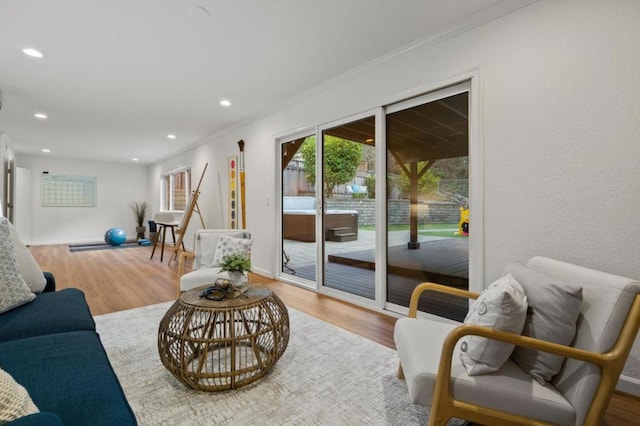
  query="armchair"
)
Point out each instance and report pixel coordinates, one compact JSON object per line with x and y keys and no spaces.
{"x":579,"y":394}
{"x":204,"y":270}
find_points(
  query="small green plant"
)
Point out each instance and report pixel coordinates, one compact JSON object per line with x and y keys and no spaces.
{"x":236,"y":262}
{"x":139,"y":211}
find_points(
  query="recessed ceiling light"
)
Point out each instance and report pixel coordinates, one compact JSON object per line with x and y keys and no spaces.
{"x":134,"y":159}
{"x":46,"y":150}
{"x":40,"y":115}
{"x":225,"y":102}
{"x":34,"y":53}
{"x":171,"y":136}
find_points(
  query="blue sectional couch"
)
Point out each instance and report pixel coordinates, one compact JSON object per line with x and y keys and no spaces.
{"x":50,"y":346}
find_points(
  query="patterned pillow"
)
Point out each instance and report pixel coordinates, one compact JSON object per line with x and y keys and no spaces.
{"x":229,"y":245}
{"x":13,"y":290}
{"x":502,"y":306}
{"x":15,"y":402}
{"x":27,"y":265}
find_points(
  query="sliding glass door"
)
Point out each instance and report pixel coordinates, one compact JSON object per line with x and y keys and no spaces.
{"x":348,"y":207}
{"x":298,"y":209}
{"x":428,"y":199}
{"x":377,"y":203}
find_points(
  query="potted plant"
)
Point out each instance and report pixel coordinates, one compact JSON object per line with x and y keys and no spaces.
{"x":236,"y":266}
{"x":139,"y":210}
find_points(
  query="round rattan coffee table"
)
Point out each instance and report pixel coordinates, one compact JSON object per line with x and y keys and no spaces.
{"x":214,"y":346}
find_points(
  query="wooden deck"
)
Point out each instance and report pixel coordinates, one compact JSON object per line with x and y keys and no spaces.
{"x":360,"y":281}
{"x":443,"y":261}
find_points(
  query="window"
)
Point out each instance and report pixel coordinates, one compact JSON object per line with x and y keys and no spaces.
{"x":175,"y":188}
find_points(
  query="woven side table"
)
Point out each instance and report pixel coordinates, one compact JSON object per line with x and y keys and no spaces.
{"x":214,"y":346}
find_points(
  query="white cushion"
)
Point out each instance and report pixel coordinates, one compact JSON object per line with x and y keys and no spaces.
{"x":419,"y":343}
{"x":13,"y":290}
{"x":502,"y":306}
{"x":228,"y":245}
{"x":15,"y":401}
{"x":200,"y":277}
{"x":554,"y":306}
{"x":27,"y":265}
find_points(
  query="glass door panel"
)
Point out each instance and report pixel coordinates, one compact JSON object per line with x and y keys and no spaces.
{"x":299,"y":208}
{"x":427,"y":194}
{"x":348,"y":214}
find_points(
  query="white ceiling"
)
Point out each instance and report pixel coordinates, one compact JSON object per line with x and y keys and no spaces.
{"x":120,"y":75}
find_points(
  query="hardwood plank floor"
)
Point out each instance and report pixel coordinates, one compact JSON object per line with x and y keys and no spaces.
{"x":126,"y":278}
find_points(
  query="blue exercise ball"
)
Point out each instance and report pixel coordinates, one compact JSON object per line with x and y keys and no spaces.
{"x":115,"y":236}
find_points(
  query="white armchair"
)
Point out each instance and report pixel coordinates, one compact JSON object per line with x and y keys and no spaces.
{"x":606,"y":328}
{"x":205,"y":270}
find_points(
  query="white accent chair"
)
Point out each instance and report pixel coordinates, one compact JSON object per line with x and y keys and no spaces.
{"x":204,"y":271}
{"x":606,"y":329}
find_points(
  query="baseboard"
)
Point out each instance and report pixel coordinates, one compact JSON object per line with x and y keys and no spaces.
{"x":50,"y":243}
{"x":628,"y":385}
{"x":263,"y":272}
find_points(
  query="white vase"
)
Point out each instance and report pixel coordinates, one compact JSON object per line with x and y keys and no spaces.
{"x":236,"y":278}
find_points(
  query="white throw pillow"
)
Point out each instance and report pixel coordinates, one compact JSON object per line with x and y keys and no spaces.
{"x":554,"y":307}
{"x":13,"y":290}
{"x":229,"y":245}
{"x":27,"y":265}
{"x":15,"y":401}
{"x":502,"y":306}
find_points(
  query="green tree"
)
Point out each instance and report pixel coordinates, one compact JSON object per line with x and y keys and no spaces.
{"x":342,"y":158}
{"x":427,"y":184}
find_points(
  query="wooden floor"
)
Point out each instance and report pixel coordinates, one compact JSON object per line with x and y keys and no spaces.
{"x":115,"y":280}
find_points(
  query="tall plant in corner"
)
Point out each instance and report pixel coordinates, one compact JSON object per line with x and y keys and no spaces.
{"x":139,"y":210}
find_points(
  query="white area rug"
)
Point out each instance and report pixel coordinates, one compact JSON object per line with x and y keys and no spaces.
{"x":327,"y":376}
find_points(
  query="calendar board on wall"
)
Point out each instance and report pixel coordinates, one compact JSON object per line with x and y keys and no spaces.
{"x":68,"y":191}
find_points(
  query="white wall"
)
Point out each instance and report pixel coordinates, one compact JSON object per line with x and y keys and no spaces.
{"x":117,"y":186}
{"x":560,"y":120}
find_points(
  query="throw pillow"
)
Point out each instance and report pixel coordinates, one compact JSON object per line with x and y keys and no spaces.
{"x":229,"y":245}
{"x":554,"y":307}
{"x":27,"y":265}
{"x":13,"y":290}
{"x":502,"y":306}
{"x":15,"y":402}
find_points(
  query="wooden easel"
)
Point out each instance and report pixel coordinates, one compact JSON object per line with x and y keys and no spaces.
{"x":192,"y":206}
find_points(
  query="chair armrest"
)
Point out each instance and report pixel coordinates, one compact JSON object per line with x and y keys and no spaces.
{"x":51,"y":282}
{"x":421,"y":288}
{"x":519,"y":340}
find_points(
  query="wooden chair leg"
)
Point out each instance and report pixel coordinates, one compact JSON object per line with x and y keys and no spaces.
{"x":155,"y":244}
{"x":164,"y":239}
{"x":400,"y":372}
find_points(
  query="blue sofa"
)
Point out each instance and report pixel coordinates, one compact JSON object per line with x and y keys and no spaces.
{"x":50,"y":346}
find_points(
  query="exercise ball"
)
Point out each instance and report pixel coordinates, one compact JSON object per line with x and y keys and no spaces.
{"x":115,"y":236}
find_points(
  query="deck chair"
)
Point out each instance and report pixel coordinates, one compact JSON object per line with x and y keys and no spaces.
{"x":205,"y":270}
{"x":606,"y":328}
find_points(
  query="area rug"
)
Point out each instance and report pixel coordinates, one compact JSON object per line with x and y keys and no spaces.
{"x":327,"y":376}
